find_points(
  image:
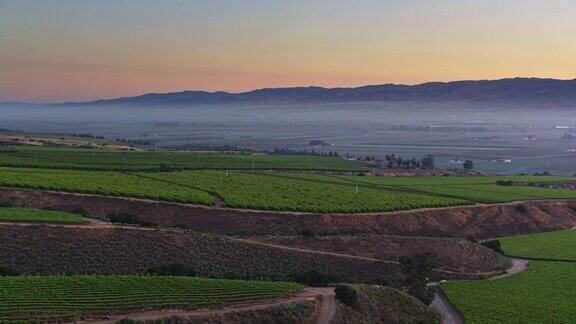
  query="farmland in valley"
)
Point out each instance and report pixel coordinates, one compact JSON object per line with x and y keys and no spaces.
{"x":68,"y":297}
{"x":286,"y":191}
{"x":117,"y":160}
{"x":34,"y":215}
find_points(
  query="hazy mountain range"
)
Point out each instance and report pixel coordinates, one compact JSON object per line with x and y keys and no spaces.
{"x":516,"y":90}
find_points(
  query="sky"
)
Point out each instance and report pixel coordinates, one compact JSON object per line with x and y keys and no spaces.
{"x":71,"y":50}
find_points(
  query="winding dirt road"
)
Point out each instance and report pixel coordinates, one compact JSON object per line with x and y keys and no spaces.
{"x":326,"y":314}
{"x":328,"y":305}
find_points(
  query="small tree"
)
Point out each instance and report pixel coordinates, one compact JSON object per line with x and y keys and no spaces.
{"x":346,"y":295}
{"x":468,"y":165}
{"x":494,"y":245}
{"x":416,"y":269}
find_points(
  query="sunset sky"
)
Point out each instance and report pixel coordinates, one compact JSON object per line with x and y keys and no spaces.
{"x":79,"y":50}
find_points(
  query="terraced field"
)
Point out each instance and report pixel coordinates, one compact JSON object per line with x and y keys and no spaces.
{"x":115,"y":160}
{"x":32,"y":298}
{"x":285,"y":191}
{"x":35,"y":215}
{"x":102,"y":182}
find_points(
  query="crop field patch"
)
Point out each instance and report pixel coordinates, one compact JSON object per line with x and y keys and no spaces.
{"x":115,"y":160}
{"x":544,"y":293}
{"x":560,"y":245}
{"x":272,"y":192}
{"x":103,"y":183}
{"x":36,"y":215}
{"x":68,"y":297}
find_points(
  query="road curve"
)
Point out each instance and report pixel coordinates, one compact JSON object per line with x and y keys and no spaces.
{"x":328,"y":305}
{"x":448,"y":312}
{"x":518,"y":265}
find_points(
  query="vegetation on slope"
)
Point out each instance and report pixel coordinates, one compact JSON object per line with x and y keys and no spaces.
{"x":80,"y":250}
{"x":383,"y":305}
{"x":36,"y":215}
{"x":452,"y":253}
{"x":70,"y":297}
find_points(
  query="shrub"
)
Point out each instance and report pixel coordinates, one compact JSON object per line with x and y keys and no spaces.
{"x":5,"y":204}
{"x":173,"y":269}
{"x":521,"y":208}
{"x":312,"y":278}
{"x":422,"y":293}
{"x":308,"y":233}
{"x":346,"y":295}
{"x":125,"y":218}
{"x":80,"y":211}
{"x":5,"y":272}
{"x":493,"y":245}
{"x":505,"y":182}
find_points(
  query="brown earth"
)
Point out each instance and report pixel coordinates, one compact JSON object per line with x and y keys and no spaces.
{"x":478,"y":221}
{"x":56,"y":249}
{"x":452,"y":254}
{"x":66,"y":142}
{"x":301,"y":308}
{"x":53,"y":249}
{"x":384,"y":305}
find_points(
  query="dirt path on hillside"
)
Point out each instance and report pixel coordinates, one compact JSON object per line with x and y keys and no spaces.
{"x":328,"y":305}
{"x":283,"y":247}
{"x":327,"y":312}
{"x":518,"y":265}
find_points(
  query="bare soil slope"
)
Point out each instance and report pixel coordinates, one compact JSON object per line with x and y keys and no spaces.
{"x":384,"y":305}
{"x":452,"y":254}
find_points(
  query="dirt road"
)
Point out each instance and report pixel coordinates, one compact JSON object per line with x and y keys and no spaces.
{"x":327,"y":312}
{"x":448,"y":313}
{"x":328,"y":305}
{"x":518,"y":265}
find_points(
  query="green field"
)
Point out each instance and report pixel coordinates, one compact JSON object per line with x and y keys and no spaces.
{"x":36,"y":215}
{"x":270,"y":191}
{"x":545,"y":293}
{"x":115,"y":160}
{"x":103,"y":183}
{"x":560,"y":245}
{"x":293,"y":191}
{"x":31,"y":298}
{"x":482,"y":189}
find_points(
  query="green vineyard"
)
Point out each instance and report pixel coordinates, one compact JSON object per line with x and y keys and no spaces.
{"x":545,"y":293}
{"x":272,"y":192}
{"x":33,"y":298}
{"x":114,"y":160}
{"x":35,"y":215}
{"x":557,"y":245}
